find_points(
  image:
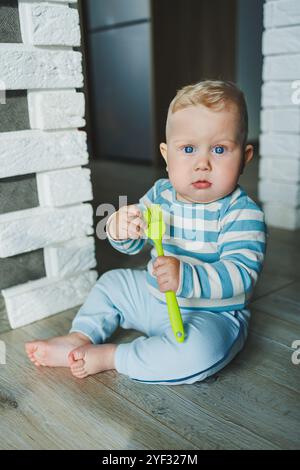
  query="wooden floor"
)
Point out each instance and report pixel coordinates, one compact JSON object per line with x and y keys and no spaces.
{"x":253,"y":403}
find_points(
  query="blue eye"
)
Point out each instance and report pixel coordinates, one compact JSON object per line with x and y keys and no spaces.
{"x":188,"y":149}
{"x":219,"y":149}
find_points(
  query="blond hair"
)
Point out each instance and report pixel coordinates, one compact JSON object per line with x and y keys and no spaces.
{"x":215,"y":94}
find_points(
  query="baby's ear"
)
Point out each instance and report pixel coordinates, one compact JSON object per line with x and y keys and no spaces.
{"x":163,"y":150}
{"x":247,"y":157}
{"x":249,"y":153}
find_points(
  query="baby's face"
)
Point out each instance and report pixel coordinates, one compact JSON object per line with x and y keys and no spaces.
{"x":202,"y":144}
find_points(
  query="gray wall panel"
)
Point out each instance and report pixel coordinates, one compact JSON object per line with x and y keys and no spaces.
{"x":21,"y":268}
{"x":18,"y":193}
{"x":4,"y":324}
{"x":14,"y":113}
{"x":9,"y":21}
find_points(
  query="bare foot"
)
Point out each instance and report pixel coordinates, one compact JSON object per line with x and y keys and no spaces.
{"x":91,"y":359}
{"x":54,"y":352}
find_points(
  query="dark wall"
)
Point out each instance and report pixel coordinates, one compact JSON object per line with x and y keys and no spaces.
{"x":250,"y":59}
{"x":192,"y":40}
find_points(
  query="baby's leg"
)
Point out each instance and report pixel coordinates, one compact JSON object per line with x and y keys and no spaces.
{"x":212,"y":340}
{"x":112,"y":300}
{"x":95,"y":321}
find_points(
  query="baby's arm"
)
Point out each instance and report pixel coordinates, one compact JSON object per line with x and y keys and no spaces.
{"x":242,"y":246}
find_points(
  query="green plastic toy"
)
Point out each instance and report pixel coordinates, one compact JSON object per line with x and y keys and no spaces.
{"x":155,"y":230}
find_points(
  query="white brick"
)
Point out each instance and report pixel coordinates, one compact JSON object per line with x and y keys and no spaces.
{"x":281,"y":120}
{"x":64,"y":187}
{"x":279,"y":144}
{"x":284,"y":169}
{"x":35,"y":300}
{"x":279,"y":215}
{"x":47,"y":112}
{"x":31,"y":229}
{"x":278,"y":94}
{"x":27,"y":67}
{"x":46,"y":24}
{"x":281,"y":67}
{"x":277,"y":191}
{"x":50,"y":1}
{"x":281,"y":13}
{"x":68,"y":258}
{"x":281,"y":40}
{"x":26,"y":152}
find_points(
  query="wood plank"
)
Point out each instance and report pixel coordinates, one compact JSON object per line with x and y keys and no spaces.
{"x":266,"y":407}
{"x":289,"y":237}
{"x":205,"y":431}
{"x":270,"y":359}
{"x":260,"y":405}
{"x":235,"y":409}
{"x":282,"y":258}
{"x":205,"y":427}
{"x":284,"y":303}
{"x":274,"y":328}
{"x":269,"y":283}
{"x":70,"y":413}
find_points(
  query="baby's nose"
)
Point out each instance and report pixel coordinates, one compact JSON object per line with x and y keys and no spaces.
{"x":202,"y":163}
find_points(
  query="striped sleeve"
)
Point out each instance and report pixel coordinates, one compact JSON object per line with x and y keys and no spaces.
{"x":241,"y":246}
{"x":134,"y":246}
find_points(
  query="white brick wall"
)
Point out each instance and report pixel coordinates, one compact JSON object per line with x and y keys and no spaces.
{"x":281,"y":120}
{"x":30,"y":229}
{"x":64,"y":187}
{"x":46,"y":112}
{"x":281,"y":13}
{"x":26,"y":152}
{"x":279,"y":170}
{"x":66,"y":258}
{"x":35,"y":300}
{"x":27,"y":67}
{"x":46,"y":65}
{"x":49,"y":25}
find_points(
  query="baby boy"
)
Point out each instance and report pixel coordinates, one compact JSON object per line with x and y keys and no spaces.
{"x":214,"y":248}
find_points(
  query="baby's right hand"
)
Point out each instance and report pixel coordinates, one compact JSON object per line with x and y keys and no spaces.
{"x":126,"y":223}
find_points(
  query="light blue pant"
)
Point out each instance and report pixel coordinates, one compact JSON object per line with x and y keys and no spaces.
{"x":120,"y":297}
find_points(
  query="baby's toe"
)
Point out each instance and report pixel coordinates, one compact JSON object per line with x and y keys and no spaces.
{"x":78,"y":365}
{"x":30,"y":350}
{"x":77,"y":354}
{"x":79,"y":373}
{"x":71,"y":359}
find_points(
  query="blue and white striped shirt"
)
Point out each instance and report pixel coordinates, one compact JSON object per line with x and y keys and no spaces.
{"x":220,"y":245}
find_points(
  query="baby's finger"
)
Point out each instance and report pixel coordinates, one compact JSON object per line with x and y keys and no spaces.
{"x":127,"y":213}
{"x":133,"y":233}
{"x":161,"y":271}
{"x":133,"y":228}
{"x":159,"y":261}
{"x":138,"y":223}
{"x":133,"y":210}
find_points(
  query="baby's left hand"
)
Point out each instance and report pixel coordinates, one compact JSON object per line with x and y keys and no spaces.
{"x":167,"y":269}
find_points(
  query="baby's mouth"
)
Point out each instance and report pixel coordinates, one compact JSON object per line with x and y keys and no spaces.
{"x":201,"y":184}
